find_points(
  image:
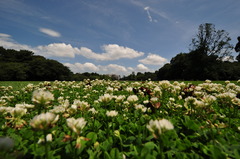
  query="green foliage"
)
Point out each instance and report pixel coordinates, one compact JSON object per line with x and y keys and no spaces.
{"x":212,"y":42}
{"x":203,"y":132}
{"x":24,"y":66}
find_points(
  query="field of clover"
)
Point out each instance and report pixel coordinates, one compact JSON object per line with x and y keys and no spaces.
{"x":120,"y":119}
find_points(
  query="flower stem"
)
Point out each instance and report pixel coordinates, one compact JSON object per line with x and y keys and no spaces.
{"x":46,"y":144}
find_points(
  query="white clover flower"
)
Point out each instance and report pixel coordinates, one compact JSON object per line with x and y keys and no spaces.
{"x":58,"y":110}
{"x":208,"y":81}
{"x":71,"y":110}
{"x":2,"y":109}
{"x":157,"y":127}
{"x":209,"y":99}
{"x":129,"y":89}
{"x":165,"y":84}
{"x":146,"y":102}
{"x":82,"y":105}
{"x":49,"y":138}
{"x":236,"y":101}
{"x":44,"y":121}
{"x":141,"y":107}
{"x":24,"y":105}
{"x":18,"y":112}
{"x":93,"y":110}
{"x":3,"y":102}
{"x":126,"y":103}
{"x":189,"y":101}
{"x":42,"y":97}
{"x":132,"y":98}
{"x":171,"y":99}
{"x":76,"y":124}
{"x":199,"y":104}
{"x":105,"y":98}
{"x":119,"y":98}
{"x":226,"y":95}
{"x":65,"y":103}
{"x":112,"y":113}
{"x":109,"y":89}
{"x":179,"y":97}
{"x":154,"y":99}
{"x":227,"y":82}
{"x":231,"y":86}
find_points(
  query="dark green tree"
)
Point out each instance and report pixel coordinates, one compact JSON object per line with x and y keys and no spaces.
{"x":212,"y":42}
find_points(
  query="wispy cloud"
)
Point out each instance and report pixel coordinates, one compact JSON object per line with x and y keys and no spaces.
{"x":155,"y":11}
{"x":147,"y":9}
{"x":7,"y":42}
{"x":50,"y":32}
{"x":149,"y":16}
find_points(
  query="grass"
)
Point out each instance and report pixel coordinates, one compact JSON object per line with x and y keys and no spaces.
{"x":17,"y":85}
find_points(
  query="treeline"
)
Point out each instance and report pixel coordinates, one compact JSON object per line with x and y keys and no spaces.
{"x":192,"y":66}
{"x":23,"y":65}
{"x":198,"y":66}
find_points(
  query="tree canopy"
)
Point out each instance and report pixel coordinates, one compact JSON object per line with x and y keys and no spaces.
{"x":24,"y":65}
{"x":212,"y":42}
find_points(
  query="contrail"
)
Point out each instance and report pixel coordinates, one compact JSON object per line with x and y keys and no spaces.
{"x":148,"y":13}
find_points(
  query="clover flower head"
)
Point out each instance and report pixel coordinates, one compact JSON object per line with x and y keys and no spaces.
{"x":105,"y":98}
{"x":129,"y":89}
{"x":18,"y":112}
{"x":141,"y":107}
{"x":189,"y":101}
{"x":76,"y":124}
{"x":119,"y":98}
{"x":44,"y":121}
{"x":157,"y":127}
{"x":24,"y":105}
{"x":42,"y":97}
{"x":236,"y":101}
{"x":208,"y":81}
{"x":109,"y":89}
{"x":154,"y":99}
{"x":164,"y":84}
{"x":132,"y":98}
{"x":93,"y":110}
{"x":112,"y":113}
{"x":82,"y":105}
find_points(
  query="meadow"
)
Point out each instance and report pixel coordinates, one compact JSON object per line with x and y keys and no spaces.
{"x":120,"y":119}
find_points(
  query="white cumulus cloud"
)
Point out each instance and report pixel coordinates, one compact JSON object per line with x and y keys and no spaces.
{"x":110,"y":52}
{"x":50,"y":32}
{"x":142,"y":68}
{"x":106,"y":69}
{"x":81,"y":68}
{"x":153,"y":59}
{"x":102,"y":69}
{"x":57,"y":50}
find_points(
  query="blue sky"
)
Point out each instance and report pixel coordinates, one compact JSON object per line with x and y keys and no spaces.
{"x":112,"y":36}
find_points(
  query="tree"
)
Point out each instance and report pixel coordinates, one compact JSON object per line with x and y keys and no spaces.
{"x":212,"y":42}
